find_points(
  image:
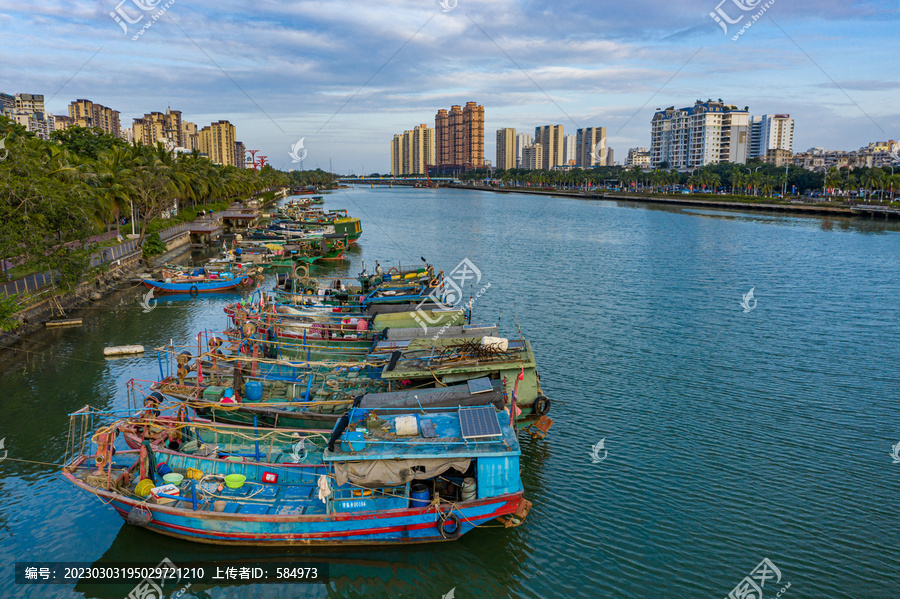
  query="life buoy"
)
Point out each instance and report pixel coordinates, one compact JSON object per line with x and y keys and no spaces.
{"x":339,"y":245}
{"x":541,"y":405}
{"x":455,"y":529}
{"x":193,"y":290}
{"x":434,"y":282}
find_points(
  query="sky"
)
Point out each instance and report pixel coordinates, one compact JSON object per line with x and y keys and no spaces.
{"x":345,"y":75}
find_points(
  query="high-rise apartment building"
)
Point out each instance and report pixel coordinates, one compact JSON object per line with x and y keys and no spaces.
{"x":189,"y":138}
{"x":568,"y":157}
{"x":706,"y":133}
{"x":522,"y":140}
{"x":533,"y":157}
{"x":85,"y":113}
{"x":770,"y":132}
{"x":28,"y":110}
{"x":30,"y":103}
{"x":240,"y":154}
{"x":412,"y":150}
{"x":590,"y":147}
{"x":158,"y":127}
{"x":506,"y":148}
{"x":217,"y":142}
{"x":550,"y":137}
{"x":459,"y":138}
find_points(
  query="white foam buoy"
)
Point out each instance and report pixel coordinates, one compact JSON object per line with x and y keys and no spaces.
{"x":407,"y":426}
{"x":123,"y":349}
{"x":497,"y":343}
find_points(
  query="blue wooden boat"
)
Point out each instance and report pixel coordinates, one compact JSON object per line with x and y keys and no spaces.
{"x":378,"y":482}
{"x":198,"y":281}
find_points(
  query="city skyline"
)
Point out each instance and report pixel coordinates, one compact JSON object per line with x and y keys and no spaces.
{"x":347,"y":76}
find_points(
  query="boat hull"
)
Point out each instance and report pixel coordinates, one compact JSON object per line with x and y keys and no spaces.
{"x":198,"y":287}
{"x":389,"y":527}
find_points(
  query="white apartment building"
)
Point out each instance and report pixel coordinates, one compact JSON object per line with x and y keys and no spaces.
{"x":708,"y":132}
{"x":770,"y":132}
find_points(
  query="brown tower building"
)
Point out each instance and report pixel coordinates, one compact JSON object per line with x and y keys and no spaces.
{"x":459,"y":138}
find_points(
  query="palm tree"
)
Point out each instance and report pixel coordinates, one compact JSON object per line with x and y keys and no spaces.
{"x":737,"y":179}
{"x":833,"y":180}
{"x":755,"y":180}
{"x":112,"y":174}
{"x":871,"y":180}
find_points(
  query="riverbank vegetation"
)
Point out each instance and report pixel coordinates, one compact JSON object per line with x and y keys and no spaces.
{"x":59,"y":197}
{"x":751,"y":182}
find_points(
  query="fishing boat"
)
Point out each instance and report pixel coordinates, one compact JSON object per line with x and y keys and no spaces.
{"x":196,"y":281}
{"x":301,"y":414}
{"x":387,"y":478}
{"x":199,"y":436}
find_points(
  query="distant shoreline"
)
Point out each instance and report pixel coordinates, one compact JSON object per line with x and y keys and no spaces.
{"x":654,"y":199}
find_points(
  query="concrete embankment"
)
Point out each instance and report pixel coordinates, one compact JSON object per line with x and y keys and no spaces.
{"x":658,"y":199}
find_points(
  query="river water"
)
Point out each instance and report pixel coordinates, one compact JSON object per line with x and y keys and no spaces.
{"x":730,"y":435}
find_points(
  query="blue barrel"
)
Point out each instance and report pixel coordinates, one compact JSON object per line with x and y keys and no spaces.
{"x":163,"y":469}
{"x":419,"y":495}
{"x":253,"y":390}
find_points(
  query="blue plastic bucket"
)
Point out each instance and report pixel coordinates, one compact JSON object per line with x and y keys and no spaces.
{"x":163,"y":469}
{"x":419,"y":495}
{"x":254,"y":390}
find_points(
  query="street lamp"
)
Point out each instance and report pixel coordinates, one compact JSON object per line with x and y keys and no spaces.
{"x":131,"y":203}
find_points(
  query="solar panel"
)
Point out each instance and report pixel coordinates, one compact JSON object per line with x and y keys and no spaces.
{"x":482,"y":385}
{"x":479,"y":422}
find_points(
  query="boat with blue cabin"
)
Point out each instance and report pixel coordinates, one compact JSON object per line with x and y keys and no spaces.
{"x":387,"y":477}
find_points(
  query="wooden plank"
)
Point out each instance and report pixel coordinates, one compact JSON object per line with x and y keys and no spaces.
{"x":76,"y":322}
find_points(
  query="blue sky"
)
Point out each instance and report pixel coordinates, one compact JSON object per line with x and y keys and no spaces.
{"x":348,"y":74}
